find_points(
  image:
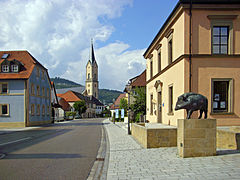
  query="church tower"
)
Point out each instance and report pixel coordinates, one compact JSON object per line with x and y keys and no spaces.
{"x":91,"y":83}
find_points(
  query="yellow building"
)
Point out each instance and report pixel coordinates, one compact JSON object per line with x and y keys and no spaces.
{"x":91,"y":83}
{"x":205,"y":61}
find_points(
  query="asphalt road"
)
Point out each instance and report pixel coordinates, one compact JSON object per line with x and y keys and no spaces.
{"x":60,"y":151}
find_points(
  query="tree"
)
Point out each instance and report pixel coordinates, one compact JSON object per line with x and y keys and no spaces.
{"x":123,"y":105}
{"x":80,"y":106}
{"x":139,"y":105}
{"x":106,"y":113}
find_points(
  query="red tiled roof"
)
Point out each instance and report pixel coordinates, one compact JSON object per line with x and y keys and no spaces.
{"x":117,"y":102}
{"x":25,"y":58}
{"x":112,"y":106}
{"x":71,"y":96}
{"x":64,"y":104}
{"x":140,"y":80}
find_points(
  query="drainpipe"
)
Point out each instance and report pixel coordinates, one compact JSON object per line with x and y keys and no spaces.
{"x":190,"y":47}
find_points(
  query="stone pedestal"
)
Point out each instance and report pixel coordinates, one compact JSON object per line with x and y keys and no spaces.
{"x":196,"y":137}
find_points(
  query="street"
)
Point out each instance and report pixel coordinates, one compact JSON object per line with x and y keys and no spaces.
{"x":64,"y":150}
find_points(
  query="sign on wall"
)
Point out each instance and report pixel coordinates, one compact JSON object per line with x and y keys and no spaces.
{"x":122,"y":113}
{"x":116,"y":113}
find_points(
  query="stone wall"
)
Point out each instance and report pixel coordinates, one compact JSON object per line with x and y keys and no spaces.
{"x":196,"y":137}
{"x":139,"y":132}
{"x":155,"y":137}
{"x":228,"y":139}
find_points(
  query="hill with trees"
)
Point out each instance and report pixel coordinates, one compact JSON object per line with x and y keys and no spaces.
{"x":61,"y":83}
{"x":106,"y":96}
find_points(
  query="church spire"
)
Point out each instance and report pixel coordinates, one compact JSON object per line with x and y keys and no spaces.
{"x":92,"y":56}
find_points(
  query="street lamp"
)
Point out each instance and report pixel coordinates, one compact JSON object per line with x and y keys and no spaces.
{"x":128,"y":88}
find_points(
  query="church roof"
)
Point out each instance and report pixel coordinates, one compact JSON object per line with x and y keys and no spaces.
{"x":92,"y":56}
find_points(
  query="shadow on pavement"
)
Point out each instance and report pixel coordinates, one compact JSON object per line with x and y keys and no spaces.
{"x":228,"y":151}
{"x":35,"y":137}
{"x":11,"y":142}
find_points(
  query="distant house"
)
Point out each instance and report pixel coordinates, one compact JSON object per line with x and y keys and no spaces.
{"x":55,"y":103}
{"x":116,"y":104}
{"x":71,"y":97}
{"x":136,"y":82}
{"x":99,"y":107}
{"x":65,"y":106}
{"x":25,"y":90}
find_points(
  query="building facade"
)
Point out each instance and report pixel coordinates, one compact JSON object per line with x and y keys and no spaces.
{"x":196,"y":50}
{"x":91,"y":102}
{"x":25,"y":97}
{"x":134,"y":83}
{"x":91,"y":83}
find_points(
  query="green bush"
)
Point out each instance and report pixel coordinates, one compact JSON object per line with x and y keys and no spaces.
{"x":70,"y":115}
{"x":137,"y":118}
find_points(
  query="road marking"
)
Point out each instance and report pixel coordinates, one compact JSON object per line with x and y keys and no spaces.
{"x":2,"y":156}
{"x":23,"y":139}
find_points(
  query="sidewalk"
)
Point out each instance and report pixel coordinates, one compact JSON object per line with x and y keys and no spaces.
{"x":128,"y":160}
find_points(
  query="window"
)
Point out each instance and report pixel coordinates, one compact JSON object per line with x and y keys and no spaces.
{"x":38,"y":109}
{"x":4,"y":56}
{"x":159,"y":61}
{"x":170,"y":51}
{"x":134,"y":93}
{"x":222,"y":33}
{"x":221,"y":95}
{"x":5,"y":68}
{"x":4,"y":109}
{"x":151,"y":103}
{"x":43,"y":92}
{"x":38,"y":90}
{"x":4,"y":88}
{"x":43,"y":110}
{"x":170,"y":102}
{"x":48,"y":110}
{"x":88,"y":75}
{"x":38,"y":72}
{"x":32,"y":109}
{"x":220,"y":40}
{"x":89,"y":91}
{"x":47,"y":93}
{"x":32,"y":89}
{"x":151,"y":68}
{"x":43,"y":75}
{"x":95,"y":76}
{"x":14,"y":68}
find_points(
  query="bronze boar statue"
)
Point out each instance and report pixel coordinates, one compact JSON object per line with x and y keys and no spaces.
{"x":192,"y":102}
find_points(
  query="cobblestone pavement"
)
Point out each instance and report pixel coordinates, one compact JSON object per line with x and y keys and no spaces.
{"x":128,"y":160}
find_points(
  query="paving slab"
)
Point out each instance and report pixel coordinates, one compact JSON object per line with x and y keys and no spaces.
{"x":129,"y":160}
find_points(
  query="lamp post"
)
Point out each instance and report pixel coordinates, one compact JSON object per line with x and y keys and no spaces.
{"x":128,"y":87}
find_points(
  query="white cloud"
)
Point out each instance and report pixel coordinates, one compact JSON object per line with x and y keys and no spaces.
{"x":57,"y":33}
{"x":115,"y":63}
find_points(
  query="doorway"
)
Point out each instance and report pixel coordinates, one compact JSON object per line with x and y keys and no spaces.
{"x":159,"y":115}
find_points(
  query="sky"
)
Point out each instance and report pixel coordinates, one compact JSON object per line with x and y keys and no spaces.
{"x":58,"y":34}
